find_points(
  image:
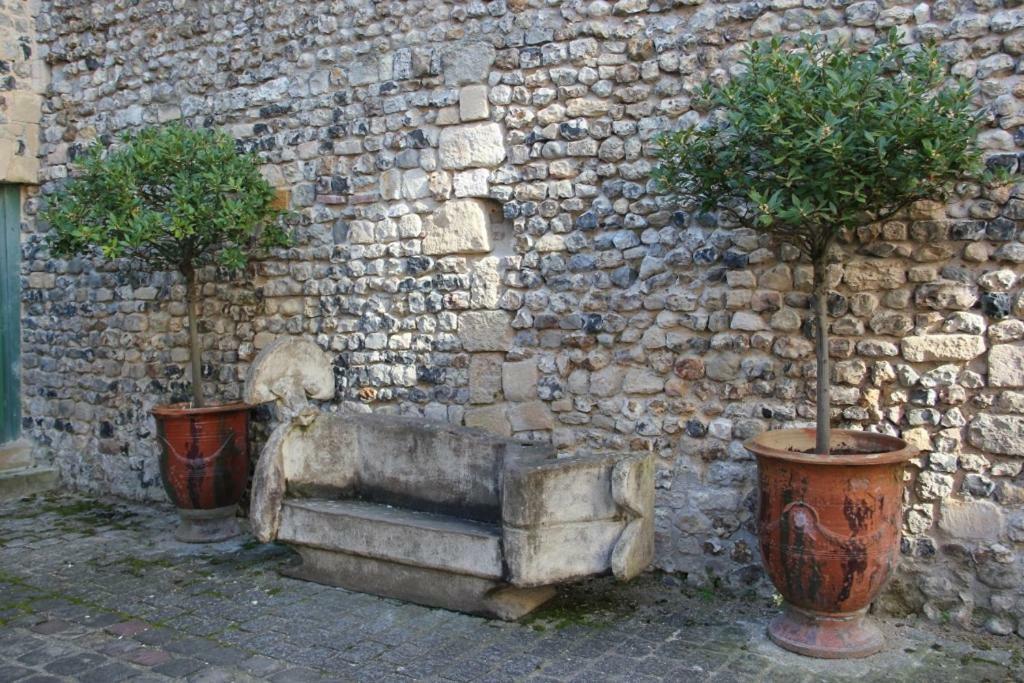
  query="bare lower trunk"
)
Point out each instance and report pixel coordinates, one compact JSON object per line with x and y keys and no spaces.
{"x":195,"y":350}
{"x":821,"y":350}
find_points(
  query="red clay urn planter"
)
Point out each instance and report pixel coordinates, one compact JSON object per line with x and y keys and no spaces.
{"x":829,"y":528}
{"x":204,"y":463}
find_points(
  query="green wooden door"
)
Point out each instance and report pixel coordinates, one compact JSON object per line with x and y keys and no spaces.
{"x":10,"y":311}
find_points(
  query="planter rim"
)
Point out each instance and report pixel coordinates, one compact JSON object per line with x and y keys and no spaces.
{"x":183,"y":409}
{"x":773,"y":444}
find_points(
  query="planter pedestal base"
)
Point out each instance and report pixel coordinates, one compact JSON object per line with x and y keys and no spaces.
{"x":827,"y":636}
{"x":207,"y":526}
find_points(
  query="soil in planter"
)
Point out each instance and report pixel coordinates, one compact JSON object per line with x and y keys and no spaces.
{"x":840,"y":451}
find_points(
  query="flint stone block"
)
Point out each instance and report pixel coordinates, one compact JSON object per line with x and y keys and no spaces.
{"x":947,"y":295}
{"x":1003,"y":434}
{"x":459,"y":226}
{"x":471,"y":145}
{"x":942,"y":347}
{"x":1006,"y":365}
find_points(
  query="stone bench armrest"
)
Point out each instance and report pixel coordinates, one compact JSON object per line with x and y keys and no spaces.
{"x":570,"y":517}
{"x":269,"y":486}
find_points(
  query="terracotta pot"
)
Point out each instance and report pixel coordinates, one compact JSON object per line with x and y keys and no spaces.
{"x":829,"y":527}
{"x":204,"y":462}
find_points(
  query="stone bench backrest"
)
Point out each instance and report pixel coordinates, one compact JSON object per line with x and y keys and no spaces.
{"x":405,"y":462}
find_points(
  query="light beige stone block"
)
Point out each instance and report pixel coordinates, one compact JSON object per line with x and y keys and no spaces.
{"x":485,"y":331}
{"x":492,"y":419}
{"x":473,"y":104}
{"x":459,"y":226}
{"x":471,"y":145}
{"x":519,"y":380}
{"x":1006,"y":365}
{"x":530,"y":416}
{"x":1003,"y":434}
{"x":942,"y":347}
{"x":485,"y":377}
{"x":972,"y":520}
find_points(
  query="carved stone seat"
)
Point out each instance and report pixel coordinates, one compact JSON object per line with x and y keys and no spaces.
{"x":433,"y":513}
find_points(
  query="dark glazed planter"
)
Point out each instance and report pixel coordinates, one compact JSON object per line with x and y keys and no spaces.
{"x":829,"y":528}
{"x":204,"y":463}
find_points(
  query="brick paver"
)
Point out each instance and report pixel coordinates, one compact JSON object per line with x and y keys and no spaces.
{"x":99,"y":591}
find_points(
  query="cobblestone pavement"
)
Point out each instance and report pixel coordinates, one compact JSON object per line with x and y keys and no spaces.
{"x":97,"y":591}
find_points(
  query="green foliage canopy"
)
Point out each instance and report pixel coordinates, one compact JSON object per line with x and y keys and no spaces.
{"x":169,"y":195}
{"x":808,"y":142}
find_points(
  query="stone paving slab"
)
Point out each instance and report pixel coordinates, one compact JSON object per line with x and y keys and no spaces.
{"x":98,"y":590}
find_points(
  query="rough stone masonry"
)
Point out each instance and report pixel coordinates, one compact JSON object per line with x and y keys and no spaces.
{"x":478,"y":241}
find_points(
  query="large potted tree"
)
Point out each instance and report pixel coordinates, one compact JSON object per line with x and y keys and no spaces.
{"x":177,"y":198}
{"x":807,"y":143}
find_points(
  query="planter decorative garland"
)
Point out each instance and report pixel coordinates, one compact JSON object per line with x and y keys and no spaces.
{"x":204,"y":464}
{"x":829,"y":528}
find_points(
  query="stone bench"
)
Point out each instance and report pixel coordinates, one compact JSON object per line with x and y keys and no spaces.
{"x":434,"y":513}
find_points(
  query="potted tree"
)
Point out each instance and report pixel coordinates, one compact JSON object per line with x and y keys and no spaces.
{"x":807,"y":143}
{"x":176,"y":198}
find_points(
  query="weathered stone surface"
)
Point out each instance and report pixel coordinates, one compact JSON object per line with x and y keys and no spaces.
{"x":473,"y":104}
{"x":485,"y":331}
{"x":642,"y":381}
{"x":288,"y":371}
{"x":467,"y":62}
{"x":997,"y":433}
{"x":530,"y":416}
{"x":492,"y":419}
{"x":458,"y":226}
{"x":942,"y":347}
{"x":519,"y":380}
{"x":485,"y":377}
{"x":471,"y":145}
{"x":576,"y":516}
{"x":1006,"y":365}
{"x":947,"y":295}
{"x":607,"y":381}
{"x":402,"y":535}
{"x":879,"y":274}
{"x":973,"y":521}
{"x":531,"y":521}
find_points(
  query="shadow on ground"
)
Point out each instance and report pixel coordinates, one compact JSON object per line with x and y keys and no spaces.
{"x":98,"y":591}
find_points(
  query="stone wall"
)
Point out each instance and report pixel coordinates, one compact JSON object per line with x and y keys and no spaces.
{"x":22,"y":80}
{"x":478,"y":242}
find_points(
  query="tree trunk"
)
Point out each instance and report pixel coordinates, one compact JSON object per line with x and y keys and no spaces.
{"x":195,"y":350}
{"x":821,"y":350}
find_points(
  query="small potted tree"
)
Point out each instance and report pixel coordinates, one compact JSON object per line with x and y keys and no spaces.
{"x":808,"y":143}
{"x":176,"y":198}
